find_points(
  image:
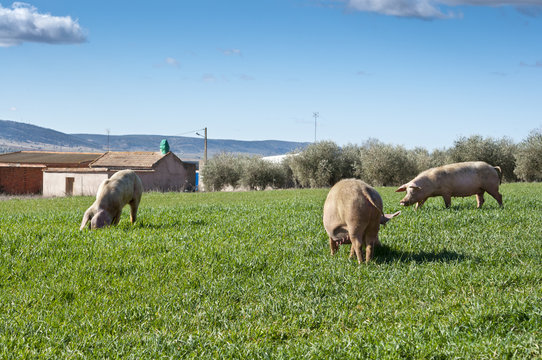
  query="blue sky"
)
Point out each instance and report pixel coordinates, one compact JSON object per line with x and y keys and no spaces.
{"x":406,"y":72}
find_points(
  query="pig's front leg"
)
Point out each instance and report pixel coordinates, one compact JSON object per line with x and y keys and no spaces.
{"x":333,"y":246}
{"x":447,"y":200}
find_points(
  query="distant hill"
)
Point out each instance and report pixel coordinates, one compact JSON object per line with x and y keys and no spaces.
{"x":15,"y":136}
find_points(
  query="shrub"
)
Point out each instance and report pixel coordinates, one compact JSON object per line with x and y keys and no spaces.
{"x":320,"y":164}
{"x":291,"y":180}
{"x":254,"y":173}
{"x":494,"y":152}
{"x":351,"y":161}
{"x":529,"y":157}
{"x":440,"y":157}
{"x":222,"y":170}
{"x":420,"y":158}
{"x":259,"y":174}
{"x":324,"y":163}
{"x":385,"y":165}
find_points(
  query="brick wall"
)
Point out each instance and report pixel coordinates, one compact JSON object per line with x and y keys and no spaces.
{"x":21,"y":180}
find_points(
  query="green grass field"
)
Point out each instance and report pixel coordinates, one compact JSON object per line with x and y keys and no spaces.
{"x":249,"y":275}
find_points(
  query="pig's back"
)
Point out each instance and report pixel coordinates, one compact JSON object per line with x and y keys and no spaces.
{"x":347,"y":202}
{"x":462,"y":179}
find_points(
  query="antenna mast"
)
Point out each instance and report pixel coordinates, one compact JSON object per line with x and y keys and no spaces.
{"x":316,"y":115}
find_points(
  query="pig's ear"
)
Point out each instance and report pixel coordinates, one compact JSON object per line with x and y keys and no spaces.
{"x":401,"y":188}
{"x":387,"y":217}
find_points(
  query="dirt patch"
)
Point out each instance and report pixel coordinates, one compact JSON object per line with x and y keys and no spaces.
{"x":19,"y":197}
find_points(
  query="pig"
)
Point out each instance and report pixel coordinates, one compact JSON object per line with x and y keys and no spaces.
{"x":352,"y":215}
{"x":458,"y":180}
{"x":124,"y":187}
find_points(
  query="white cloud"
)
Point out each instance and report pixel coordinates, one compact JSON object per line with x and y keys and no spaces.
{"x":172,"y":62}
{"x":23,"y":23}
{"x":209,"y":78}
{"x":13,"y":108}
{"x":434,"y":9}
{"x":168,"y":62}
{"x":230,"y":52}
{"x":245,"y":77}
{"x":537,"y":64}
{"x":492,"y":2}
{"x":425,"y":9}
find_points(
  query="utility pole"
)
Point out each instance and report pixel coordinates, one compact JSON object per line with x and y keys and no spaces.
{"x":205,"y":148}
{"x":316,"y":115}
{"x":202,"y":164}
{"x":108,"y":131}
{"x":204,"y":136}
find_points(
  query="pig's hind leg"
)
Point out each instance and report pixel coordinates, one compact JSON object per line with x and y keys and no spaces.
{"x":357,"y":237}
{"x":495,"y":193}
{"x":357,"y":245}
{"x":371,"y":240}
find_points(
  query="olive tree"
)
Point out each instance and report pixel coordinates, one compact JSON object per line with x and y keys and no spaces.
{"x":222,"y":170}
{"x":385,"y":165}
{"x":319,"y":165}
{"x":529,"y":157}
{"x":258,"y":174}
{"x":496,"y":152}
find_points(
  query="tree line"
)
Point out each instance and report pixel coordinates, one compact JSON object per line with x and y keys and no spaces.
{"x":323,"y":163}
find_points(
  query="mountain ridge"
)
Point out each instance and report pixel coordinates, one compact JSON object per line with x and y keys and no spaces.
{"x":16,"y":136}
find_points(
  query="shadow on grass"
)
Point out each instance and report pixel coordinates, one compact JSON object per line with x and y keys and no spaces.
{"x":385,"y":254}
{"x":166,"y":225}
{"x":457,"y":207}
{"x":466,"y":204}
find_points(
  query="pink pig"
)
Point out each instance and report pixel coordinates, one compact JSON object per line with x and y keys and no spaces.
{"x":353,"y":215}
{"x":458,"y":180}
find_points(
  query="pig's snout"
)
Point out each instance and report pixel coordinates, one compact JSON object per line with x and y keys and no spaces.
{"x":405,"y":202}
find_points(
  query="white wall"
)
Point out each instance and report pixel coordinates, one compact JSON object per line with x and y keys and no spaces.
{"x":54,"y":184}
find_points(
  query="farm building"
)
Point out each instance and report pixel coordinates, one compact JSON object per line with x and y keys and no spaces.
{"x":158,"y":172}
{"x":21,"y":172}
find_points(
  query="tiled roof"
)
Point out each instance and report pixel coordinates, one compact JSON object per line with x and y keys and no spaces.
{"x":132,"y":160}
{"x":46,"y":157}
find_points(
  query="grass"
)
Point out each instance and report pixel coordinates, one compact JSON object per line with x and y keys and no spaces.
{"x":249,"y":275}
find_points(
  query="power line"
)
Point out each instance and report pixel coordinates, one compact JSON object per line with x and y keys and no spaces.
{"x":189,"y":132}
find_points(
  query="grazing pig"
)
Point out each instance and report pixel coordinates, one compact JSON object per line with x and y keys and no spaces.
{"x":124,"y":187}
{"x":353,"y":214}
{"x":460,"y":180}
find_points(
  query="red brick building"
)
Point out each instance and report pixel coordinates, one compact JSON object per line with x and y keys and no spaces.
{"x":21,"y":172}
